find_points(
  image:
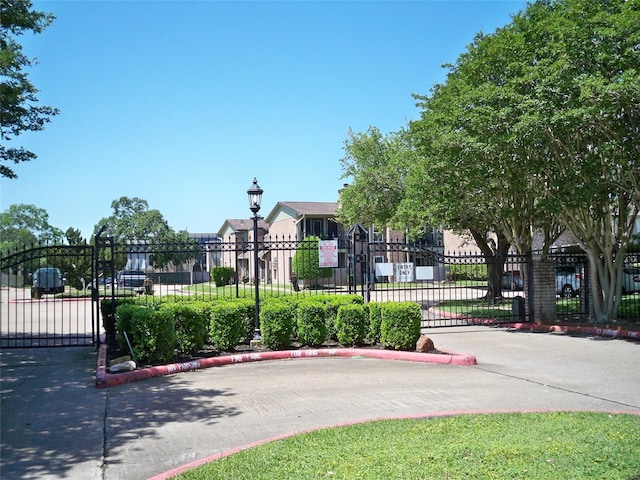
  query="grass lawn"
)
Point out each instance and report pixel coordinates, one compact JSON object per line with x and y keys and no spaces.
{"x":502,"y":446}
{"x":476,"y":308}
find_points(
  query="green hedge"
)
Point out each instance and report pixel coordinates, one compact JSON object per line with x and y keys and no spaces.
{"x":191,"y":322}
{"x":333,"y":303}
{"x":311,"y":321}
{"x":476,"y":272}
{"x":227,"y":327}
{"x":277,"y":323}
{"x":152,"y":335}
{"x":158,"y":330}
{"x":222,"y":276}
{"x":400,"y":327}
{"x":352,"y":324}
{"x":109,"y":317}
{"x":375,"y":320}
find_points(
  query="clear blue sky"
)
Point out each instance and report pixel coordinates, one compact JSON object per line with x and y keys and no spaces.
{"x":182,"y":103}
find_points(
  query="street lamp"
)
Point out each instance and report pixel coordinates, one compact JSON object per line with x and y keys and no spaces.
{"x":255,"y":198}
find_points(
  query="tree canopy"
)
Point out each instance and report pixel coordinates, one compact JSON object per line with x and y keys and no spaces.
{"x":19,"y":109}
{"x":132,"y":221}
{"x":534,"y":130}
{"x":22,"y":225}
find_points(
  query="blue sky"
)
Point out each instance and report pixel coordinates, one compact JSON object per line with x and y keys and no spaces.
{"x":182,"y":103}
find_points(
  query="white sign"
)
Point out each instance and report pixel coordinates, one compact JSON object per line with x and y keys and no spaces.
{"x":404,"y":272}
{"x":424,"y":273}
{"x":328,"y":253}
{"x":384,"y":269}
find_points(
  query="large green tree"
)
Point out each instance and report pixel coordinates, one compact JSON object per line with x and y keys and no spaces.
{"x":23,"y":225}
{"x":19,"y":109}
{"x":584,"y":110}
{"x":376,"y":164}
{"x":539,"y":121}
{"x":147,"y":230}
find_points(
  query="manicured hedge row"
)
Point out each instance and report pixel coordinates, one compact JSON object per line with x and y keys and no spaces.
{"x":157,"y":331}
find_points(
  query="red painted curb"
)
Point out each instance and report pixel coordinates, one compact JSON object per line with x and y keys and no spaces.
{"x":216,"y":456}
{"x":105,"y":379}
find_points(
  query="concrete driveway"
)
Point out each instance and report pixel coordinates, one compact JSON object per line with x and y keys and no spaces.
{"x":56,"y":424}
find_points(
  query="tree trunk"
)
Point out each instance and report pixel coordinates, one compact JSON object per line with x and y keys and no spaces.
{"x":495,"y":254}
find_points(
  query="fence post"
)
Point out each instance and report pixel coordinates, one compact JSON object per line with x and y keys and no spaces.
{"x":544,"y":289}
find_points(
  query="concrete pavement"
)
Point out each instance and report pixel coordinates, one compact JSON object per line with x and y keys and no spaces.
{"x":56,"y":424}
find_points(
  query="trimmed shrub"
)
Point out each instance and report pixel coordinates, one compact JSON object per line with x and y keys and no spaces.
{"x":277,"y":321}
{"x":468,"y":272}
{"x":400,"y":327}
{"x":109,"y":317}
{"x":226,"y":327}
{"x":222,"y":276}
{"x":375,"y":319}
{"x":305,"y":263}
{"x":151,"y":333}
{"x":247,"y":312}
{"x":333,"y":303}
{"x":312,"y":326}
{"x":351,"y":324}
{"x":191,"y":321}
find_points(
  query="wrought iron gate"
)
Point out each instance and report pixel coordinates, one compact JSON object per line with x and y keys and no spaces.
{"x":33,"y":312}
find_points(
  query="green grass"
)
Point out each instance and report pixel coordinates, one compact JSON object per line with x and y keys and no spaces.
{"x":503,"y":446}
{"x":476,"y":308}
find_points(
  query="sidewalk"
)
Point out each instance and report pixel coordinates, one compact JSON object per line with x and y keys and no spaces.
{"x":55,"y":424}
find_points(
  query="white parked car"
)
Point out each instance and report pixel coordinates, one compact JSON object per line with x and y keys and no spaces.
{"x":567,"y":281}
{"x":631,"y":280}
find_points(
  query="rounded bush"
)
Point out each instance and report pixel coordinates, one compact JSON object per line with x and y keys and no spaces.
{"x":375,"y":320}
{"x":351,"y":324}
{"x":277,"y":320}
{"x":152,"y":333}
{"x":191,"y":321}
{"x":311,"y":320}
{"x":226,"y":327}
{"x":400,"y":327}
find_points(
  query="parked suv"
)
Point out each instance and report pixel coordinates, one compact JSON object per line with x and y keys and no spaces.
{"x":567,"y":281}
{"x":131,"y":278}
{"x":46,"y":280}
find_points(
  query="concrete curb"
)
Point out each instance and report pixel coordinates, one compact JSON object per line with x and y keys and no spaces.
{"x":105,"y":379}
{"x":216,"y":456}
{"x":602,"y":331}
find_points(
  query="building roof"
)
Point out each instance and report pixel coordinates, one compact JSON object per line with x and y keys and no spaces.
{"x":242,"y":224}
{"x":312,"y":208}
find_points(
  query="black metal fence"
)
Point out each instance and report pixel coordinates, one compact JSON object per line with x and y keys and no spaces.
{"x":37,"y":308}
{"x":452,"y":289}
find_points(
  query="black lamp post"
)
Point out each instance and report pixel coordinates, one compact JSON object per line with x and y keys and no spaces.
{"x":255,"y":198}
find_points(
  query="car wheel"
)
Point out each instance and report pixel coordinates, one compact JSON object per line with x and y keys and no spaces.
{"x":567,"y":291}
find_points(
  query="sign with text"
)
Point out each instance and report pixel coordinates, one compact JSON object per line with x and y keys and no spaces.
{"x":328,"y":253}
{"x":404,"y":272}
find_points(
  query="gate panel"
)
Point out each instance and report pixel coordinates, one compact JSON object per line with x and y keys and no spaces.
{"x":57,"y":310}
{"x":453,"y":289}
